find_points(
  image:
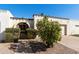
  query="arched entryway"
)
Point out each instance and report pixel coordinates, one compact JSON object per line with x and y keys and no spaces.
{"x":23,"y":26}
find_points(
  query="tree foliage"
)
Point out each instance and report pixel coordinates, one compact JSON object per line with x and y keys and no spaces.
{"x":49,"y":31}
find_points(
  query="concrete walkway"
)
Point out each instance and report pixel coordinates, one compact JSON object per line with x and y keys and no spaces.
{"x":70,"y":42}
{"x":4,"y":48}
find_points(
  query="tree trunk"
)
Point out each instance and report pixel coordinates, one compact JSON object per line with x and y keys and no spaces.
{"x":48,"y":45}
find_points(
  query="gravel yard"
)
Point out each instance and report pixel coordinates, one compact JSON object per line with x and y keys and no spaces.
{"x":68,"y":45}
{"x":57,"y":49}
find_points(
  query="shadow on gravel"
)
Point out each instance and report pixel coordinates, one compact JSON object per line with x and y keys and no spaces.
{"x":31,"y":47}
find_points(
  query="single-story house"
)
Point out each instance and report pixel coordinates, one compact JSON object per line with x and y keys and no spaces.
{"x":7,"y":20}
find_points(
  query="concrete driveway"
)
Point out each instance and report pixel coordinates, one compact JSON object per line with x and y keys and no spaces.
{"x":70,"y":42}
{"x":4,"y":48}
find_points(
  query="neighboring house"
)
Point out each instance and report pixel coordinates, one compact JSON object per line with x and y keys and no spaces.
{"x":7,"y":20}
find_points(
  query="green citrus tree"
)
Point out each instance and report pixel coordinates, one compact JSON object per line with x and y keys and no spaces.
{"x":50,"y":32}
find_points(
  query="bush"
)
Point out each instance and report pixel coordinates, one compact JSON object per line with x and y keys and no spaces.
{"x":11,"y":34}
{"x":11,"y":30}
{"x":8,"y":30}
{"x":8,"y":37}
{"x":31,"y":33}
{"x":49,"y":31}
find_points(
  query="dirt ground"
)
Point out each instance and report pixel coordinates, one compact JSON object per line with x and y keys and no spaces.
{"x":59,"y":49}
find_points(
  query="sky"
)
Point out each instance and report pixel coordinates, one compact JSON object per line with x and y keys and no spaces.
{"x":27,"y":10}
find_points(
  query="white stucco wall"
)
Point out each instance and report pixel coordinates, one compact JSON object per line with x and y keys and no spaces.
{"x":4,"y":21}
{"x":15,"y":22}
{"x":71,"y":28}
{"x":38,"y":18}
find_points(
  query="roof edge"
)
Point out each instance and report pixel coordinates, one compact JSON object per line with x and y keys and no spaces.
{"x":50,"y":16}
{"x":21,"y":18}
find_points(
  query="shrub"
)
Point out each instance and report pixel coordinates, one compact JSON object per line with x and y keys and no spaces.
{"x":11,"y":30}
{"x":31,"y":33}
{"x":8,"y":37}
{"x":11,"y":34}
{"x":23,"y":35}
{"x":8,"y":30}
{"x":49,"y":31}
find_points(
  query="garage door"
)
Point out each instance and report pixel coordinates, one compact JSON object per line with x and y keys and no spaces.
{"x":64,"y":30}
